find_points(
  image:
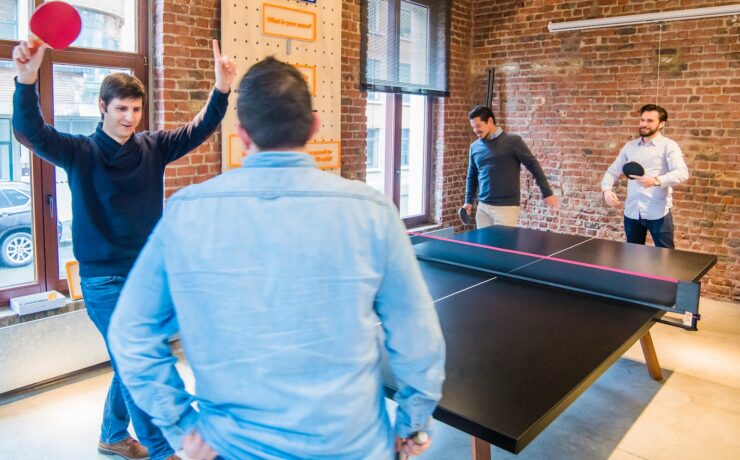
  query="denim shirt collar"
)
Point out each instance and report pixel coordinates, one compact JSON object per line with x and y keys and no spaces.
{"x":279,"y":160}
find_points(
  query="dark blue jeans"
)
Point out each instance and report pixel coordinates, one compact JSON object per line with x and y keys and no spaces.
{"x":660,"y":229}
{"x":101,"y":295}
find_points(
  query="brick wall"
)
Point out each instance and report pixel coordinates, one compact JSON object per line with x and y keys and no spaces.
{"x":354,"y":119}
{"x":574,"y":97}
{"x":182,"y":80}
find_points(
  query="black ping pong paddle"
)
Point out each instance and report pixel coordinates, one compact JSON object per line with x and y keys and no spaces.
{"x":464,"y":216}
{"x":633,"y":169}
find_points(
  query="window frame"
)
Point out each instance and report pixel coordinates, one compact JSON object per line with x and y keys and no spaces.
{"x":43,"y":180}
{"x":393,"y":169}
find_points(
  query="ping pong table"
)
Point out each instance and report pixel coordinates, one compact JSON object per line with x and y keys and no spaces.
{"x":532,"y":318}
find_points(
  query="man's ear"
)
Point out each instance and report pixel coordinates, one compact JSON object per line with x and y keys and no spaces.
{"x":102,"y":107}
{"x":244,"y":136}
{"x":316,"y":126}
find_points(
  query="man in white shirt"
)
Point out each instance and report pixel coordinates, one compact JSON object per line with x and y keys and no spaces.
{"x":648,"y":203}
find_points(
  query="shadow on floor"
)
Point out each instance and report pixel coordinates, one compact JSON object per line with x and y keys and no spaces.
{"x":591,"y":428}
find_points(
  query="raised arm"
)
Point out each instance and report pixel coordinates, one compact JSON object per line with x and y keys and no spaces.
{"x":176,"y":143}
{"x":28,"y":122}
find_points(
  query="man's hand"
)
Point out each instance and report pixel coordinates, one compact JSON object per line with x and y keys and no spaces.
{"x":551,"y":202}
{"x":468,"y":208}
{"x":225,"y":69}
{"x":196,"y":448}
{"x":645,"y":181}
{"x":28,"y":61}
{"x":407,"y":447}
{"x":611,"y":199}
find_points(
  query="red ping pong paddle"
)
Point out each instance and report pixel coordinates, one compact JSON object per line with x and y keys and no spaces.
{"x":55,"y":23}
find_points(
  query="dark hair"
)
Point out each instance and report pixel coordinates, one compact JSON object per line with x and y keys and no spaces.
{"x":122,"y":86}
{"x":482,"y":112}
{"x":662,"y":114}
{"x":274,"y":105}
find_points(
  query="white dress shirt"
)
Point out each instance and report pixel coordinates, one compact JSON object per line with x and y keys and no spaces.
{"x":660,"y":157}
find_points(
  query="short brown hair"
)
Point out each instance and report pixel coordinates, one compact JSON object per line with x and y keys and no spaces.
{"x":122,"y":86}
{"x":662,"y":114}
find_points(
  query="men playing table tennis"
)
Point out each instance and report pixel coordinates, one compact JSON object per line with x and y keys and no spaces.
{"x":294,"y":285}
{"x":649,"y":197}
{"x":117,"y":184}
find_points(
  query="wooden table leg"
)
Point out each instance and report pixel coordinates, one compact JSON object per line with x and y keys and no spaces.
{"x":481,"y":449}
{"x":651,"y":359}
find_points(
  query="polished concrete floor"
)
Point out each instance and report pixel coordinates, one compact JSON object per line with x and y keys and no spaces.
{"x":694,"y":413}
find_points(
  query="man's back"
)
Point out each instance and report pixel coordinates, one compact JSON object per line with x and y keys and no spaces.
{"x":274,"y":269}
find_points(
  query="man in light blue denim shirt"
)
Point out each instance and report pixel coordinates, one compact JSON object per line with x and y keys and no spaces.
{"x":287,"y":285}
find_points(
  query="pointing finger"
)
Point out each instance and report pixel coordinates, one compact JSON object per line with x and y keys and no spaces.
{"x":216,"y":50}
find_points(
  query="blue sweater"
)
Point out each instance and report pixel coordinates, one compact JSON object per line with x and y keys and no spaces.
{"x":117,"y":190}
{"x":495,"y":166}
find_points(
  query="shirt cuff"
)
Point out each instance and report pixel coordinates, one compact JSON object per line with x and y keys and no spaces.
{"x":405,"y":428}
{"x":217,"y":92}
{"x":186,"y":425}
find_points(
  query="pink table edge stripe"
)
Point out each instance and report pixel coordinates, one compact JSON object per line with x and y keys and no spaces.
{"x":555,"y":259}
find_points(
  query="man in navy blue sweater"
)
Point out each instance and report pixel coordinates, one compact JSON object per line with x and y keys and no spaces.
{"x":496,"y":160}
{"x":117,"y":181}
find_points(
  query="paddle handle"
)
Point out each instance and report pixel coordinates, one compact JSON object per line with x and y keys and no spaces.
{"x":420,"y":437}
{"x":34,"y":42}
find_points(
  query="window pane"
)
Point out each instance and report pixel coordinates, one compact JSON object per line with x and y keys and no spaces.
{"x":76,"y":112}
{"x":16,"y":198}
{"x":414,"y":45}
{"x":17,"y":262}
{"x":376,"y":138}
{"x":372,"y":148}
{"x":413,"y":135}
{"x":405,"y":147}
{"x":109,"y":25}
{"x":10,"y":17}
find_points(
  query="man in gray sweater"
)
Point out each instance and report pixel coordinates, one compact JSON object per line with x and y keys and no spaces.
{"x":493,"y":172}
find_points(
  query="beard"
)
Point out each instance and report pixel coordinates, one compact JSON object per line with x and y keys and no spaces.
{"x":647,"y":132}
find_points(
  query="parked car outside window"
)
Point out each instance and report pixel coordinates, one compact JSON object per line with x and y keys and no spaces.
{"x":16,"y":230}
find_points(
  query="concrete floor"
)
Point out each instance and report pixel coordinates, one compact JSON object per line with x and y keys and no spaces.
{"x":694,"y":413}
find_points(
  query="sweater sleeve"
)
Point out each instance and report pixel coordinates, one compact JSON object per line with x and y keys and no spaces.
{"x":31,"y":130}
{"x":176,"y":143}
{"x":525,"y":156}
{"x":471,"y":184}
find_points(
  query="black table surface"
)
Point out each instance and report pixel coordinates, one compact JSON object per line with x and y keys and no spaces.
{"x":518,"y":354}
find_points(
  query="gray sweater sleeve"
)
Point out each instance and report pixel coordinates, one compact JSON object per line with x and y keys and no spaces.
{"x":525,"y":156}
